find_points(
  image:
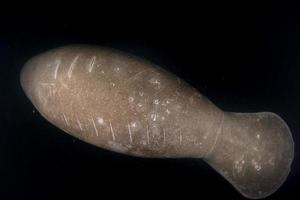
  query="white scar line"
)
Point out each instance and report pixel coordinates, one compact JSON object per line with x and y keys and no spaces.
{"x":65,"y":118}
{"x":79,"y":124}
{"x":58,"y":62}
{"x":112,"y":131}
{"x":96,"y":131}
{"x":133,"y":77}
{"x":91,"y":65}
{"x":72,"y":67}
{"x":47,"y":84}
{"x":130,"y":134}
{"x":164,"y":132}
{"x":180,"y":136}
{"x":148,"y":138}
{"x":219,"y":130}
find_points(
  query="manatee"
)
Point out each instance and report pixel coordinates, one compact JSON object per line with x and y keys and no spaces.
{"x":126,"y":104}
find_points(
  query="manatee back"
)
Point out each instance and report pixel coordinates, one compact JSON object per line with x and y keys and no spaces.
{"x":125,"y":104}
{"x":120,"y":102}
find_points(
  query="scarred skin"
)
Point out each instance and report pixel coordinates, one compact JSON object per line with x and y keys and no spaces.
{"x":119,"y":102}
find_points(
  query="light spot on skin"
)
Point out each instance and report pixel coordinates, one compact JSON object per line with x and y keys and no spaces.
{"x":100,"y":120}
{"x":130,"y":99}
{"x":271,"y":161}
{"x":156,"y":101}
{"x":258,"y":136}
{"x":153,"y":116}
{"x":117,"y":69}
{"x":102,"y":72}
{"x":197,"y":94}
{"x":256,"y":165}
{"x":258,"y":119}
{"x":133,"y":124}
{"x":141,"y":93}
{"x":238,"y":166}
{"x":155,"y":130}
{"x":139,"y":105}
{"x":155,"y":82}
{"x":168,"y":111}
{"x":255,"y":149}
{"x":165,"y":102}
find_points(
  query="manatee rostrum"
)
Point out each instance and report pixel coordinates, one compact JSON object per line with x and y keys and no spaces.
{"x":126,"y":104}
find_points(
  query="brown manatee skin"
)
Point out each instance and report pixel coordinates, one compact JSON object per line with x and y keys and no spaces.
{"x":128,"y":105}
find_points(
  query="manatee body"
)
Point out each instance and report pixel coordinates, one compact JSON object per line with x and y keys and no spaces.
{"x":125,"y":104}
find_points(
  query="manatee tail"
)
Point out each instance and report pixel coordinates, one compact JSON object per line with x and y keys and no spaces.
{"x":254,"y":152}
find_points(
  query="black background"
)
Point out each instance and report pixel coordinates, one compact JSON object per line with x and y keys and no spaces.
{"x":244,"y":58}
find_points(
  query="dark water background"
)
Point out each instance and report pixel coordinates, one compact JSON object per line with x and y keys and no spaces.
{"x":244,"y":59}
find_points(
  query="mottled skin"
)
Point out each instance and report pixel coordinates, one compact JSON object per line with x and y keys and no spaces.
{"x":122,"y":103}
